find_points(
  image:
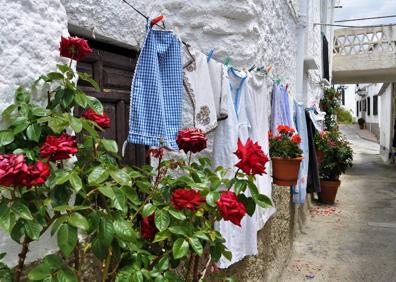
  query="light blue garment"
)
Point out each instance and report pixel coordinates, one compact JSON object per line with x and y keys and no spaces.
{"x":280,"y":108}
{"x":157,"y":91}
{"x":300,"y":190}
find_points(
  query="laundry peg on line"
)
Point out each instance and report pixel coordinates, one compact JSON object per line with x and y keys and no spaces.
{"x":227,"y":61}
{"x":210,"y":54}
{"x":252,"y":68}
{"x":156,"y":20}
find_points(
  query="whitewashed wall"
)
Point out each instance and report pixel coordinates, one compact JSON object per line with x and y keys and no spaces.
{"x":30,"y":32}
{"x":386,"y":122}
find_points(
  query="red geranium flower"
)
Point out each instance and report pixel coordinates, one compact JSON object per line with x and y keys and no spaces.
{"x":230,"y":208}
{"x":283,"y":129}
{"x":192,"y":140}
{"x":186,"y":199}
{"x":102,"y":120}
{"x":252,"y":158}
{"x":74,"y":48}
{"x":58,"y":148}
{"x":36,"y":174}
{"x":11,"y":166}
{"x":270,"y":134}
{"x":296,"y":138}
{"x":148,"y":228}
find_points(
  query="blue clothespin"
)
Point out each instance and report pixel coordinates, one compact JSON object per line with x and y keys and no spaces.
{"x":210,"y":54}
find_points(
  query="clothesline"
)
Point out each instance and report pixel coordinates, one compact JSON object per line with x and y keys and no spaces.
{"x":227,"y":60}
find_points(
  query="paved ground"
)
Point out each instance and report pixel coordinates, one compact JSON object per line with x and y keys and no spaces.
{"x":354,"y":240}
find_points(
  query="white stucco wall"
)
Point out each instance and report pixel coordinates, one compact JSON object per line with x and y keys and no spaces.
{"x":30,"y":32}
{"x":386,"y":122}
{"x":372,"y":90}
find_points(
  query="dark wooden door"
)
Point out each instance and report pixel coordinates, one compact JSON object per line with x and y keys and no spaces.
{"x":113,"y":67}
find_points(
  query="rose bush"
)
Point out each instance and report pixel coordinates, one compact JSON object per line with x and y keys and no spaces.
{"x":142,"y":223}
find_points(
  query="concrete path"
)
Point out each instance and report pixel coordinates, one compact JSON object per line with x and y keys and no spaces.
{"x":354,"y":240}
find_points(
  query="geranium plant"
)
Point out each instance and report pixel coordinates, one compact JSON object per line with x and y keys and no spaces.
{"x":330,"y":103}
{"x":338,"y":154}
{"x":285,"y":144}
{"x":143,"y":224}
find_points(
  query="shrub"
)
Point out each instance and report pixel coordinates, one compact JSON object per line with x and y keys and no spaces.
{"x":344,"y":116}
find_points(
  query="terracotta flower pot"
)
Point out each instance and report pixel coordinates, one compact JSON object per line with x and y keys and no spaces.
{"x":319,"y":156}
{"x":285,"y":171}
{"x":328,"y":191}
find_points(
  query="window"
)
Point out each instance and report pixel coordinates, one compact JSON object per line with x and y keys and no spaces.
{"x":368,"y":106}
{"x":375,"y":105}
{"x":360,"y":105}
{"x":325,"y":57}
{"x":364,"y":105}
{"x":357,"y":109}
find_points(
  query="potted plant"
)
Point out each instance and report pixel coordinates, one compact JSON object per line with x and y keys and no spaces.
{"x":362,"y":123}
{"x":330,"y":103}
{"x":338,"y":158}
{"x":320,"y":140}
{"x":286,"y":156}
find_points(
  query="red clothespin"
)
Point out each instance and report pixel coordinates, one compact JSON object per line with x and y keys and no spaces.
{"x":287,"y":85}
{"x":156,"y":20}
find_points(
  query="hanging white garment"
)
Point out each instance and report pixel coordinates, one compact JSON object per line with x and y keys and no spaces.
{"x":241,"y":241}
{"x":218,"y":77}
{"x":198,"y":86}
{"x":260,"y":115}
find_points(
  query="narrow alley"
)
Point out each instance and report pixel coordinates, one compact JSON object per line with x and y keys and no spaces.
{"x":354,"y":240}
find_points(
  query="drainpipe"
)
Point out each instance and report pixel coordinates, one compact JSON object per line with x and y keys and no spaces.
{"x":301,"y":34}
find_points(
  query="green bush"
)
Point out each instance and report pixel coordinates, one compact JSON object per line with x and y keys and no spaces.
{"x":344,"y":116}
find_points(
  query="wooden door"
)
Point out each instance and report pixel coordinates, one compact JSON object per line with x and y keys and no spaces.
{"x":113,"y":67}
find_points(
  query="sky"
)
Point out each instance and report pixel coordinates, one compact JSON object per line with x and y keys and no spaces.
{"x":366,"y":8}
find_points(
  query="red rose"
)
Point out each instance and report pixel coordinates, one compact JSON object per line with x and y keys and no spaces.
{"x":230,"y":208}
{"x":252,"y":158}
{"x":296,"y":139}
{"x":186,"y":199}
{"x":11,"y":166}
{"x":156,"y":153}
{"x":58,"y":148}
{"x":148,"y":228}
{"x":36,"y":174}
{"x":102,"y":120}
{"x":192,"y":140}
{"x":74,"y":48}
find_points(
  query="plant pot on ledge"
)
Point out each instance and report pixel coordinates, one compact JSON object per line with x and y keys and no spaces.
{"x":329,"y":190}
{"x":285,"y":171}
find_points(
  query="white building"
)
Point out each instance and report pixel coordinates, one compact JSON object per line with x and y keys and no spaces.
{"x":272,"y":32}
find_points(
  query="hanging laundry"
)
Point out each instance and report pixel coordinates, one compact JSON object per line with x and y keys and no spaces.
{"x":198,"y":86}
{"x":280,"y":107}
{"x":241,"y":241}
{"x":157,"y":91}
{"x":313,"y":180}
{"x":300,"y":189}
{"x":220,"y":85}
{"x":260,"y":115}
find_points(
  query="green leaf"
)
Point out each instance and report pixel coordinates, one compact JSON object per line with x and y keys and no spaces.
{"x":75,"y":181}
{"x":137,"y":276}
{"x":58,"y":124}
{"x":121,"y":177}
{"x":107,"y":191}
{"x":53,"y":261}
{"x":201,"y":235}
{"x":148,"y":210}
{"x":95,"y":104}
{"x":161,"y":236}
{"x":6,"y":137}
{"x":99,"y":250}
{"x":33,"y":132}
{"x":8,"y":111}
{"x":110,"y":146}
{"x":106,"y":232}
{"x":119,"y":199}
{"x":249,"y":203}
{"x":212,"y":198}
{"x":67,"y":239}
{"x":17,"y":231}
{"x":123,"y":230}
{"x":20,"y":127}
{"x":39,"y":112}
{"x":253,"y":188}
{"x":196,"y":245}
{"x":76,"y":124}
{"x":33,"y":229}
{"x":263,"y":201}
{"x":67,"y":275}
{"x":163,"y":264}
{"x":40,"y":272}
{"x":81,"y":99}
{"x":79,"y":221}
{"x":54,"y":76}
{"x":61,"y":176}
{"x":63,"y":68}
{"x":89,"y":127}
{"x":21,"y":210}
{"x":162,"y":220}
{"x":86,"y":77}
{"x":131,"y":195}
{"x":179,"y":230}
{"x":239,"y":186}
{"x":98,"y":175}
{"x":57,"y":223}
{"x":177,"y":214}
{"x":6,"y":221}
{"x":180,"y":248}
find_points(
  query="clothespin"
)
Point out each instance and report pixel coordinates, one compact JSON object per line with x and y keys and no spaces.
{"x":252,"y":68}
{"x":269,"y":69}
{"x":227,"y":61}
{"x":287,"y":85}
{"x":210,"y":54}
{"x":278,"y":81}
{"x":156,"y":20}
